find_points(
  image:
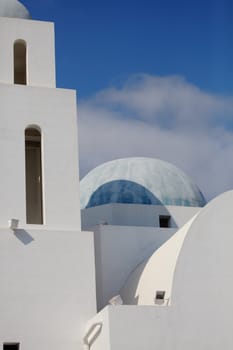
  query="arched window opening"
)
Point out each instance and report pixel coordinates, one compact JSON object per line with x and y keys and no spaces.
{"x":20,"y":62}
{"x":34,"y":198}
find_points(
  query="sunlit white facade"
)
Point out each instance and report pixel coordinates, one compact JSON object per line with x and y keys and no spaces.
{"x":141,"y":263}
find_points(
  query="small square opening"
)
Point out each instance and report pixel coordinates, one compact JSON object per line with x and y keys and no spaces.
{"x":164,"y":221}
{"x":160,"y":295}
{"x":11,"y":346}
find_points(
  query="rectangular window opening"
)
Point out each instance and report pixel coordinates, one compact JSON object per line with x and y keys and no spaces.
{"x":20,"y":62}
{"x":33,"y":170}
{"x":159,"y":297}
{"x":164,"y":221}
{"x":11,"y":346}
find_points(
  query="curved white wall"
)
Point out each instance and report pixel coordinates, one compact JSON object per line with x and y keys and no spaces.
{"x":156,"y":273}
{"x":200,"y":315}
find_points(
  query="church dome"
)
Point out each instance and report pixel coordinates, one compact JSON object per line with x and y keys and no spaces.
{"x":13,"y":8}
{"x":139,"y":181}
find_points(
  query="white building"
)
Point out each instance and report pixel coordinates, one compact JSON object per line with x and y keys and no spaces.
{"x":152,"y":268}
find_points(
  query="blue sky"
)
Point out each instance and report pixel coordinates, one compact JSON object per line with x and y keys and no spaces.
{"x":100,"y":43}
{"x":154,"y":79}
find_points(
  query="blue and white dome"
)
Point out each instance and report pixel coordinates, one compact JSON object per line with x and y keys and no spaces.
{"x":139,"y":181}
{"x":14,"y":9}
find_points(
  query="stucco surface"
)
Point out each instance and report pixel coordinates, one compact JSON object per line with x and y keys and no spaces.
{"x":45,"y":297}
{"x":54,"y":111}
{"x":118,"y":249}
{"x":200,"y":315}
{"x":39,"y":39}
{"x":155,"y":273}
{"x":120,"y":214}
{"x":203,"y":283}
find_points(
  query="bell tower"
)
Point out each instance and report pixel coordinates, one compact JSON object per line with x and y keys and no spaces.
{"x":38,"y":128}
{"x":47,"y":266}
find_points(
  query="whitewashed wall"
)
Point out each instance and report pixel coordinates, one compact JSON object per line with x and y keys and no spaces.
{"x":136,"y":215}
{"x":118,"y":250}
{"x":200,"y":315}
{"x":54,"y":111}
{"x":47,"y":292}
{"x":39,"y":37}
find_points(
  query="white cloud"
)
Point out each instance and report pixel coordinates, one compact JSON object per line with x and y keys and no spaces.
{"x":161,"y":117}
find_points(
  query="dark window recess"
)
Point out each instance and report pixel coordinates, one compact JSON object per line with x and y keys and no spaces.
{"x":33,"y":165}
{"x":164,"y":221}
{"x":160,"y":295}
{"x":11,"y":346}
{"x":20,"y":62}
